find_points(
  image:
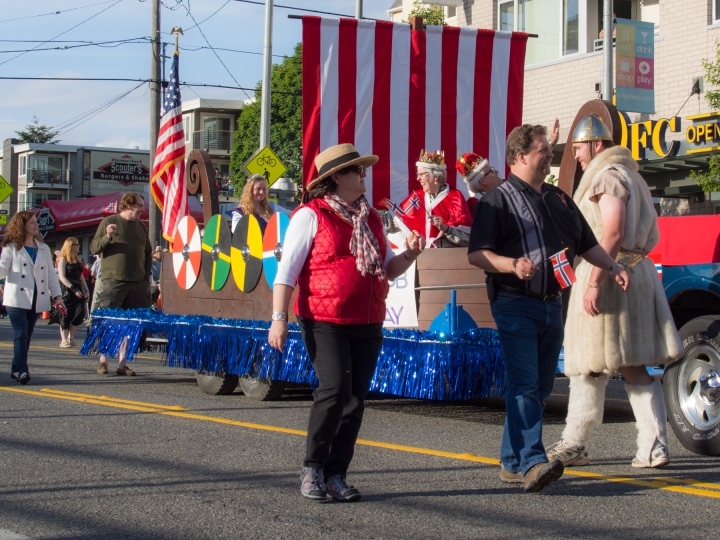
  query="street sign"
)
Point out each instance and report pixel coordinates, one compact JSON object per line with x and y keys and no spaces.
{"x":635,"y":72}
{"x":267,"y":164}
{"x":46,"y":221}
{"x":3,"y":219}
{"x":5,"y":189}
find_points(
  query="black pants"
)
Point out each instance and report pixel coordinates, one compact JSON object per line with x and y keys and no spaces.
{"x":344,"y":357}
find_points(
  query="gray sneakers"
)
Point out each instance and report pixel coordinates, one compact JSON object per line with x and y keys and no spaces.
{"x":312,"y":485}
{"x":339,"y":489}
{"x":659,"y":457}
{"x":570,"y":454}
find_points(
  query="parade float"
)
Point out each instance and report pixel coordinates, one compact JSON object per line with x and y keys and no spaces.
{"x":391,"y":90}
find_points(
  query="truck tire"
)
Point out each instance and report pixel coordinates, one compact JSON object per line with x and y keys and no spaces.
{"x":262,"y":389}
{"x":216,"y":384}
{"x":691,"y":396}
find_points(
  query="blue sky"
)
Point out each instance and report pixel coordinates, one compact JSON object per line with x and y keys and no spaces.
{"x":126,"y":124}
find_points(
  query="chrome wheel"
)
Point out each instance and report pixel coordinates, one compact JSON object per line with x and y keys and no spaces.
{"x":698,"y":383}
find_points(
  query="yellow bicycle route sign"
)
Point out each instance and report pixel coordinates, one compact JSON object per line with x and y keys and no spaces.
{"x":5,"y":189}
{"x":266,"y":163}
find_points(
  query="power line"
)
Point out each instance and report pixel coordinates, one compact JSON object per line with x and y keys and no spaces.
{"x":66,"y":31}
{"x":55,"y":12}
{"x":214,"y":52}
{"x":210,"y":17}
{"x":141,"y":80}
{"x":103,"y":44}
{"x":303,"y":9}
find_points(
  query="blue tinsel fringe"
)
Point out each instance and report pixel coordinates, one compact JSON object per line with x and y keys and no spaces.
{"x":412,"y":363}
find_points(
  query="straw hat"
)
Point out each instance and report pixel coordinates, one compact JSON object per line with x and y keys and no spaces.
{"x":338,"y":157}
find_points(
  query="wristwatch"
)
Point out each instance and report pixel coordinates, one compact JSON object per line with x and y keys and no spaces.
{"x":278,"y":316}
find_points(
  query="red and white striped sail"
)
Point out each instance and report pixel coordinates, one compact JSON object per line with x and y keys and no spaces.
{"x":391,"y":92}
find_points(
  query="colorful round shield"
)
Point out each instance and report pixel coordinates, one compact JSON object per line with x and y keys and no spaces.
{"x":246,"y":253}
{"x":273,"y":245}
{"x":187,"y":252}
{"x":216,"y":252}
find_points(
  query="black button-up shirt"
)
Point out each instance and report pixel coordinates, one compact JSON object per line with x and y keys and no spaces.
{"x":561,"y":226}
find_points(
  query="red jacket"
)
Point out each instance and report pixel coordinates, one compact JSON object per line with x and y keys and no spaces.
{"x":331,"y":289}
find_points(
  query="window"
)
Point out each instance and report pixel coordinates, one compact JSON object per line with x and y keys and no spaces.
{"x":571,"y":27}
{"x":506,"y":16}
{"x":716,"y":10}
{"x":540,"y":17}
{"x":217,"y":134}
{"x":186,"y":128}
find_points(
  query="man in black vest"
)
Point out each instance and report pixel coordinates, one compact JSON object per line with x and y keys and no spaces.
{"x":517,"y":227}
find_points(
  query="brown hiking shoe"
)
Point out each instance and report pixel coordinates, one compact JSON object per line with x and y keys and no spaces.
{"x":510,"y":478}
{"x":102,"y":369}
{"x":124,"y":370}
{"x":542,"y":474}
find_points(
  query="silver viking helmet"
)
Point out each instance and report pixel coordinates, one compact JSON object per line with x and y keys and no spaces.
{"x":591,"y":128}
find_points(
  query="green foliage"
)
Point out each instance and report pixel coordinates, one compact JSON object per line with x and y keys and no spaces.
{"x":552,"y":179}
{"x":712,"y":76}
{"x":709,"y":181}
{"x":431,"y":15}
{"x":37,"y":133}
{"x":285,"y":122}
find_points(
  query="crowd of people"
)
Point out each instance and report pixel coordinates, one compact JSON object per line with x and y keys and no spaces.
{"x":337,"y":252}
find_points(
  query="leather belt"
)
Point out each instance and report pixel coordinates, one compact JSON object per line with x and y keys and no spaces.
{"x":523,"y":292}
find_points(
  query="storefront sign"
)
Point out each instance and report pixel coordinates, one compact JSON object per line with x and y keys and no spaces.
{"x":46,"y":221}
{"x":124,"y":168}
{"x":649,"y":134}
{"x":702,"y":135}
{"x":635,"y":69}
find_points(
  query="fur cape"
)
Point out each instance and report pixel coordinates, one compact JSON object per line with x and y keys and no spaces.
{"x":634,"y":328}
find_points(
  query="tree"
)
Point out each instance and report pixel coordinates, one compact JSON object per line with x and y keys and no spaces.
{"x":285,"y":121}
{"x":710,"y":181}
{"x":37,"y":133}
{"x":431,"y":15}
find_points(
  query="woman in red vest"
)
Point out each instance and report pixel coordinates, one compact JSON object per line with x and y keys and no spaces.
{"x":337,"y":252}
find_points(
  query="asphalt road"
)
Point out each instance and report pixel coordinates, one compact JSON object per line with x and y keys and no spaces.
{"x":84,"y":456}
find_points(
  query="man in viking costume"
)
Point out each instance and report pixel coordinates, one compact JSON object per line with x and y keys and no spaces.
{"x":608,"y":331}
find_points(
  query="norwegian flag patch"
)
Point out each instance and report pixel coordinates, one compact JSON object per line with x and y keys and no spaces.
{"x":564,"y":272}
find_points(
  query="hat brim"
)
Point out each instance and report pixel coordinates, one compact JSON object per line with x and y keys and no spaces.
{"x":365,"y":161}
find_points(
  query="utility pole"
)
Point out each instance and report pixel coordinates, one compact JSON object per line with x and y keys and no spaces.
{"x":155,"y":90}
{"x":266,"y":78}
{"x":607,"y":84}
{"x":358,"y":9}
{"x":164,"y":57}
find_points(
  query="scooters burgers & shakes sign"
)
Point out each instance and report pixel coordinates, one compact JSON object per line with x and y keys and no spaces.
{"x":124,"y":168}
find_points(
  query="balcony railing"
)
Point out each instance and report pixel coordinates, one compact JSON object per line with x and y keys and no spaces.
{"x":48,"y":178}
{"x":213,"y":140}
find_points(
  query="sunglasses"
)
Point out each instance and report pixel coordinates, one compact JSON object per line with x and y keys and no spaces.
{"x":359,"y":169}
{"x":492,"y":170}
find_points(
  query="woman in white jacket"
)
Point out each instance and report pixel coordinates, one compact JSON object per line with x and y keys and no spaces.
{"x":30,"y":283}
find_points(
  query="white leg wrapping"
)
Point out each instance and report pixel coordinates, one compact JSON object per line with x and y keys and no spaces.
{"x":651,"y":420}
{"x":585,"y":408}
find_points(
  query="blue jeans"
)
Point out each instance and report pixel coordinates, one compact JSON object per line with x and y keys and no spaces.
{"x":23,"y":323}
{"x":531,"y":335}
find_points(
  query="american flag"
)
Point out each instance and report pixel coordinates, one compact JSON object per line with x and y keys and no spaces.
{"x":392,"y":91}
{"x":168,"y":176}
{"x":564,"y":272}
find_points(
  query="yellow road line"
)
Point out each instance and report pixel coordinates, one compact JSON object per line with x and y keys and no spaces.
{"x":653,"y":483}
{"x":115,"y":400}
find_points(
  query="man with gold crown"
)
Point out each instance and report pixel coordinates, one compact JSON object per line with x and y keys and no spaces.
{"x":437,"y":210}
{"x":609,"y":331}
